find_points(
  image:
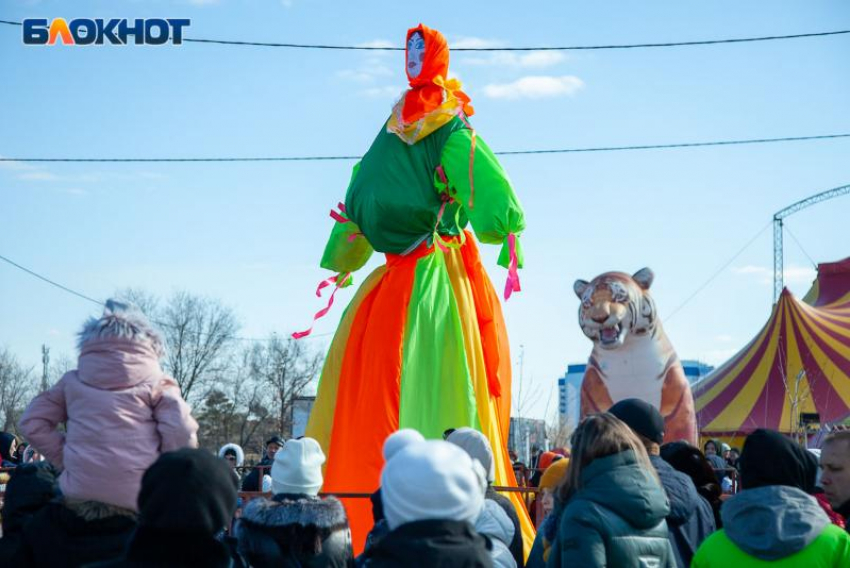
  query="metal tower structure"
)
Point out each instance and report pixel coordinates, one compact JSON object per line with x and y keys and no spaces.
{"x":778,"y":217}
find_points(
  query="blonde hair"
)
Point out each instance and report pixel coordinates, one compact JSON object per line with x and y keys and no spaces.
{"x":597,"y":436}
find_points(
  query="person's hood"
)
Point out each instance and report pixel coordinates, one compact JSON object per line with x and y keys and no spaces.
{"x":495,"y":523}
{"x":172,"y":485}
{"x":79,"y":518}
{"x":620,"y":484}
{"x":769,"y":459}
{"x":116,"y":363}
{"x":303,"y":510}
{"x":681,"y":492}
{"x":122,"y":320}
{"x":240,"y":455}
{"x":772,"y":522}
{"x":6,"y":440}
{"x":477,"y":446}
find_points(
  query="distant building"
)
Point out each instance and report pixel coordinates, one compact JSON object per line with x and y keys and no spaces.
{"x":526,"y":433}
{"x":569,"y":388}
{"x":301,"y":408}
{"x":695,"y":370}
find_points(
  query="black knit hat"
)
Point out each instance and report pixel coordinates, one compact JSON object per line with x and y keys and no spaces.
{"x":769,"y":458}
{"x":641,"y":417}
{"x":188,"y":491}
{"x":275,"y":440}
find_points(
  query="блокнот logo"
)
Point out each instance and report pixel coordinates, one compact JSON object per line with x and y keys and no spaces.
{"x":98,"y":31}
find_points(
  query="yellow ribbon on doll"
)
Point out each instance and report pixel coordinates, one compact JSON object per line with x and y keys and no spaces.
{"x":452,"y":106}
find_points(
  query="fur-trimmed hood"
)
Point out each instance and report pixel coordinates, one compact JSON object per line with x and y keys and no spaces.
{"x":122,"y":320}
{"x":303,"y":510}
{"x":89,"y":510}
{"x":240,"y":455}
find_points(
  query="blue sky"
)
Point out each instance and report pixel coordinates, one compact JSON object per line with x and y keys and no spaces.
{"x":252,"y":234}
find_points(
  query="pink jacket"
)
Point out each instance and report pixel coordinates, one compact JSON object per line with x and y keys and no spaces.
{"x":120,"y":410}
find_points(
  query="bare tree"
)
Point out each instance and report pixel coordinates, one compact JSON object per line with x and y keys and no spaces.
{"x":288,"y":369}
{"x":142,"y":299}
{"x":525,"y":396}
{"x":17,"y":385}
{"x":236,"y":407}
{"x":199,"y":333}
{"x":60,"y":365}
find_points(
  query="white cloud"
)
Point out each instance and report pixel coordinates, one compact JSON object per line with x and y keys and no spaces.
{"x":474,"y":43}
{"x":752,"y":269}
{"x":799,"y":274}
{"x":535,"y":87}
{"x":532,"y":59}
{"x":369,"y":72}
{"x":377,"y":43}
{"x":717,"y":357}
{"x":792,"y":274}
{"x":387,"y":92}
{"x":38,"y":176}
{"x":723,"y":338}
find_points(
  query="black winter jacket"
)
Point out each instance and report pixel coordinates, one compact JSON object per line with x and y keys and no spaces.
{"x":691,"y":519}
{"x":295,"y":530}
{"x":74,"y":533}
{"x":434,"y":543}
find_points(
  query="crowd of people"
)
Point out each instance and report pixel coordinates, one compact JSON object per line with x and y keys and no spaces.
{"x":111,"y":476}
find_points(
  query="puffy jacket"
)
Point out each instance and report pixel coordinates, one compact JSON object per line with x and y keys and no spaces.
{"x":774,"y":526}
{"x":494,"y":523}
{"x":515,"y":544}
{"x":295,"y":530}
{"x":447,"y":544}
{"x":691,"y":518}
{"x":121,"y":412}
{"x":616,"y":518}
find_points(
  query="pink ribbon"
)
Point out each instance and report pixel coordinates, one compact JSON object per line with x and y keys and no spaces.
{"x":512,"y":283}
{"x":339,"y":281}
{"x":336,"y":216}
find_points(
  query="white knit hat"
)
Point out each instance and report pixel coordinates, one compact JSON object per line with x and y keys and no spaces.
{"x":477,"y":446}
{"x":397,"y":440}
{"x":431,"y":480}
{"x":297,"y":467}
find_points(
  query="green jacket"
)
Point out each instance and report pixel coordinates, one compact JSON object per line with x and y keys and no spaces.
{"x":615,"y":519}
{"x":774,"y":526}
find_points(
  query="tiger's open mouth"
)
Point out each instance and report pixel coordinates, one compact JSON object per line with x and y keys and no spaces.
{"x":610,"y":336}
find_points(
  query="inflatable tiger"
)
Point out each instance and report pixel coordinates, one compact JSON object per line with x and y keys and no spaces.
{"x":632,"y":356}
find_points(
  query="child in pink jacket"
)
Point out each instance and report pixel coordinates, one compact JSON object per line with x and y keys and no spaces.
{"x":119,"y":409}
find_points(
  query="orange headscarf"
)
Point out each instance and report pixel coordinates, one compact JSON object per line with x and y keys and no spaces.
{"x":425,"y":94}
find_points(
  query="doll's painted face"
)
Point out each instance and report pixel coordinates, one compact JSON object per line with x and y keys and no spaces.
{"x":415,"y":54}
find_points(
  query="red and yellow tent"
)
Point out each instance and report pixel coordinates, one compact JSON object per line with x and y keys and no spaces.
{"x":798,"y":363}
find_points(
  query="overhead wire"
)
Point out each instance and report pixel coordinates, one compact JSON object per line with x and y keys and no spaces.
{"x":320,"y":46}
{"x":676,"y":145}
{"x":717,"y":272}
{"x":100,"y":303}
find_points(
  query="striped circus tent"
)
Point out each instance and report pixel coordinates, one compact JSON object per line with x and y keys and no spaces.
{"x":798,"y":363}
